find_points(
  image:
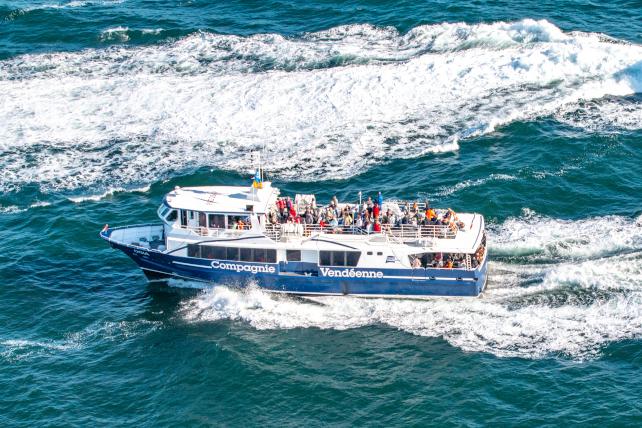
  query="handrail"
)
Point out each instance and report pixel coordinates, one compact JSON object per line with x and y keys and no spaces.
{"x":276,"y":231}
{"x":212,"y":231}
{"x":404,"y":231}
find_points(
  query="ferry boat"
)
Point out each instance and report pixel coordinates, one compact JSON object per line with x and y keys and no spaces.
{"x":238,"y":235}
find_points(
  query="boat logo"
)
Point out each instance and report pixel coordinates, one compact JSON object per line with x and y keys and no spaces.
{"x":217,"y":264}
{"x":350,"y":273}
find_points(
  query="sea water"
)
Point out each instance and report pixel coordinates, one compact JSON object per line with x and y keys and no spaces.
{"x":528,"y":113}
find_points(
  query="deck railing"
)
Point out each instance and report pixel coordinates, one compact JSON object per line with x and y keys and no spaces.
{"x":404,"y":231}
{"x":277,"y":231}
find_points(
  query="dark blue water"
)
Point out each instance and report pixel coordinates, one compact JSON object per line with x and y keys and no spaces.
{"x":528,"y":113}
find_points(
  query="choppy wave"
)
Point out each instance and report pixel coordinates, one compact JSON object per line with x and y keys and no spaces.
{"x":42,"y":6}
{"x":323,"y":105}
{"x":569,"y":307}
{"x":19,"y":349}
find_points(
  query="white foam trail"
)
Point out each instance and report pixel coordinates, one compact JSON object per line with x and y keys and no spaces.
{"x":155,"y":31}
{"x":488,"y":325}
{"x":571,"y":307}
{"x":117,"y":33}
{"x":538,"y":237}
{"x":610,"y":116}
{"x":119,"y":116}
{"x":449,"y":190}
{"x":110,"y":192}
{"x":39,"y":204}
{"x":11,"y":209}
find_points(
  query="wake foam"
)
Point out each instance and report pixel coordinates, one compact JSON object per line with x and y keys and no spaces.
{"x":571,"y":307}
{"x":324,"y":105}
{"x":533,"y":237}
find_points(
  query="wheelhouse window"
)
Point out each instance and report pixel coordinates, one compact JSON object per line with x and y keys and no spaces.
{"x":172,"y":216}
{"x":162,"y":210}
{"x":216,"y":221}
{"x":238,"y":222}
{"x":339,"y":258}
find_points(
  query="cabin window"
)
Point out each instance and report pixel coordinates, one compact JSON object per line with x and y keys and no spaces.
{"x":260,"y":255}
{"x":339,"y":258}
{"x":219,"y":253}
{"x":369,"y":253}
{"x":193,"y":250}
{"x":293,"y":255}
{"x":202,"y":220}
{"x":352,"y":258}
{"x":232,"y":253}
{"x":216,"y":221}
{"x":246,"y":255}
{"x":379,"y":253}
{"x":191,"y":215}
{"x":271,"y":256}
{"x":325,"y":258}
{"x":207,"y":252}
{"x":183,"y":218}
{"x":256,"y":255}
{"x":172,"y":216}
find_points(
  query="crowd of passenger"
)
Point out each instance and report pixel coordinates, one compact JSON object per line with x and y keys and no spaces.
{"x":447,"y":260}
{"x":372,"y":215}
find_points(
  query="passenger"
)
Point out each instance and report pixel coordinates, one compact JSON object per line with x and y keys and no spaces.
{"x":438,"y":258}
{"x":416,"y":263}
{"x":335,"y":201}
{"x":377,"y":226}
{"x":369,"y":205}
{"x":380,"y":200}
{"x":309,"y":218}
{"x":347,"y":219}
{"x":240,"y":224}
{"x":376,"y":210}
{"x":449,"y":264}
{"x":430,"y":214}
{"x":415,"y":207}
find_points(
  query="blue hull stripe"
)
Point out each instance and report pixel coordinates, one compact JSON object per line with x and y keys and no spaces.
{"x":339,"y":280}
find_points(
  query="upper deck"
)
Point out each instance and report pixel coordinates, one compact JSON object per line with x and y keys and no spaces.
{"x":228,"y":212}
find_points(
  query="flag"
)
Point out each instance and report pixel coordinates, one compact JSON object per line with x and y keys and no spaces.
{"x":257,"y":183}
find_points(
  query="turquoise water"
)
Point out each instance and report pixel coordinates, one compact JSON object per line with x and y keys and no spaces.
{"x":528,"y":113}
